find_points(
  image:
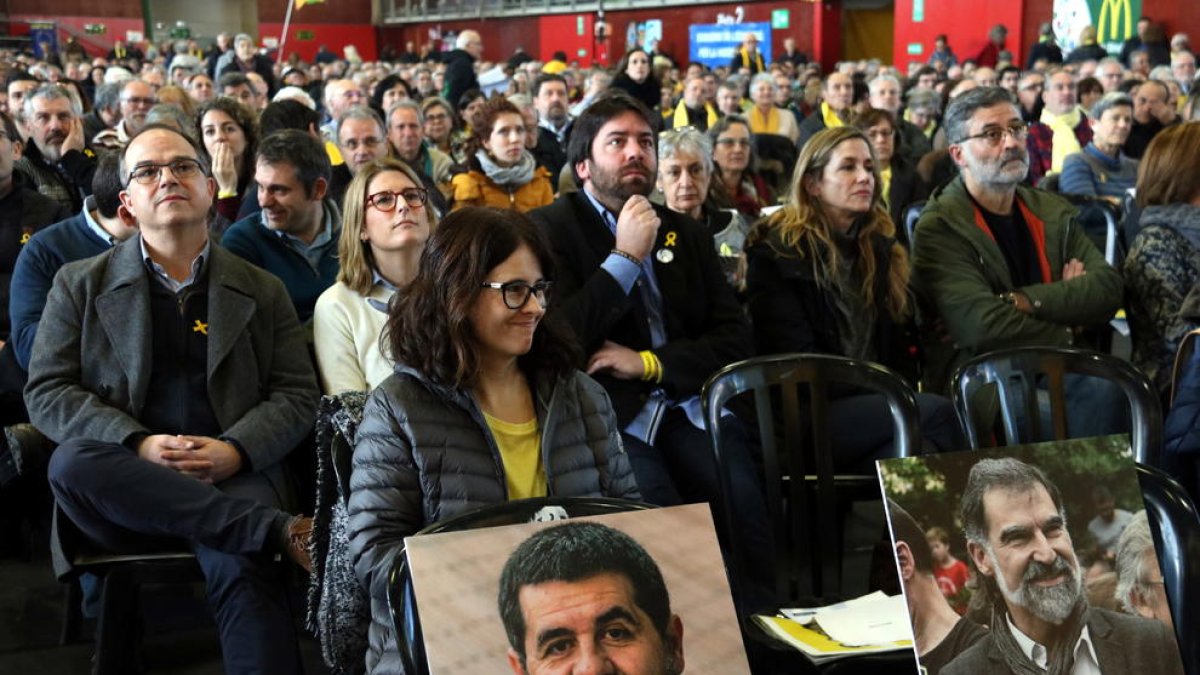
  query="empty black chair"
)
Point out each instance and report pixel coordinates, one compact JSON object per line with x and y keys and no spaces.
{"x":802,"y":489}
{"x":1017,"y":373}
{"x":401,"y":598}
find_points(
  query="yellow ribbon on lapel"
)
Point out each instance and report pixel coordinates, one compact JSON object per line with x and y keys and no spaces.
{"x":670,"y":240}
{"x":200,"y":327}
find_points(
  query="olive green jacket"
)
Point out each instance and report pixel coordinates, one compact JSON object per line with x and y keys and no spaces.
{"x":960,"y":274}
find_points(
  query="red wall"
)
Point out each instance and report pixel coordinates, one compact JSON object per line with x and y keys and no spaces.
{"x":94,"y":45}
{"x":965,"y":22}
{"x":332,"y":35}
{"x":502,"y":36}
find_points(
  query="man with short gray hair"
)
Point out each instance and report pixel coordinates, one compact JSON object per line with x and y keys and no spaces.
{"x":55,"y":158}
{"x":1000,"y":264}
{"x":1140,"y":587}
{"x":460,"y":66}
{"x":885,"y":95}
{"x":1017,"y":537}
{"x":135,"y":101}
{"x":406,"y":134}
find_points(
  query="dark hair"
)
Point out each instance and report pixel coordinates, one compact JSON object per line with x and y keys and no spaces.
{"x":10,"y":128}
{"x":287,"y":114}
{"x":386,"y":84}
{"x":959,"y":112}
{"x":874,"y":116}
{"x":468,"y":97}
{"x":429,"y":329}
{"x":1089,"y":85}
{"x":298,"y":148}
{"x":201,"y":155}
{"x":106,"y":184}
{"x":1004,"y":473}
{"x":547,"y":77}
{"x":18,"y":76}
{"x":607,"y":106}
{"x":234,"y":80}
{"x":905,"y":529}
{"x":242,"y":116}
{"x":493,"y":108}
{"x":575,"y":551}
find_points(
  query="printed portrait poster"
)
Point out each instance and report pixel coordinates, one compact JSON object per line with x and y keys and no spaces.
{"x":456,"y":579}
{"x":1084,"y":567}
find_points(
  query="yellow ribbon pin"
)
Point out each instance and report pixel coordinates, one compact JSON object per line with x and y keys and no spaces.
{"x":670,"y":240}
{"x":25,"y":238}
{"x":200,"y":327}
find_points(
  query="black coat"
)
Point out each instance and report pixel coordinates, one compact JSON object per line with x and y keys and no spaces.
{"x":791,"y":312}
{"x":705,"y":328}
{"x":907,"y":187}
{"x":460,"y":76}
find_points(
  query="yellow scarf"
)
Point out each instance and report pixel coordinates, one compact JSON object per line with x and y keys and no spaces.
{"x":885,"y":176}
{"x":1065,"y":142}
{"x":746,"y":59}
{"x":680,"y":118}
{"x":832,"y":121}
{"x":764,"y":125}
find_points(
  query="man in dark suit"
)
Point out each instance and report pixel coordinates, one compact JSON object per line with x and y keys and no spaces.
{"x":175,"y":378}
{"x":643,"y":289}
{"x":1017,"y":537}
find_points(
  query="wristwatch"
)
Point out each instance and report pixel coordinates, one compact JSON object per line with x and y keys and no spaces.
{"x":1008,"y":298}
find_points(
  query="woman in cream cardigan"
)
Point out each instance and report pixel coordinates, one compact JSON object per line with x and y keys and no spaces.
{"x":387,"y":221}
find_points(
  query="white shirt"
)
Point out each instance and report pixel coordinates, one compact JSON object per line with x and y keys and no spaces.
{"x":1086,"y":661}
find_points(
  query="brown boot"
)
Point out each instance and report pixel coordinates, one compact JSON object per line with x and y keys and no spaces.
{"x":298,"y":538}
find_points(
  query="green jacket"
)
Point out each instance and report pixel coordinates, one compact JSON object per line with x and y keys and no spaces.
{"x":960,"y":274}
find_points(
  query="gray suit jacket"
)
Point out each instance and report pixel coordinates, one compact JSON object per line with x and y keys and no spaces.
{"x":1124,"y":644}
{"x":90,"y":366}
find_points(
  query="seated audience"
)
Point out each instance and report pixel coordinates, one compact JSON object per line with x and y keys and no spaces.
{"x":737,"y":185}
{"x":229,"y":131}
{"x":439,"y":123}
{"x":901,"y":184}
{"x":1153,"y":111}
{"x":503,"y":173}
{"x":174,"y":378}
{"x":635,"y":77}
{"x":1061,"y":131}
{"x":685,"y":172}
{"x":486,"y":406}
{"x":835,"y":110}
{"x":1162,"y":268}
{"x":1101,"y":169}
{"x":826,"y":275}
{"x":295,"y":237}
{"x":387,"y":221}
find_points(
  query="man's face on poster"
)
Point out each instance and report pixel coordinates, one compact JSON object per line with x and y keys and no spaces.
{"x":1029,"y":553}
{"x":593,"y":626}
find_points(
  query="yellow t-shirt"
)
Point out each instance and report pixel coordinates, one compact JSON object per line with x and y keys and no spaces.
{"x":520,"y":450}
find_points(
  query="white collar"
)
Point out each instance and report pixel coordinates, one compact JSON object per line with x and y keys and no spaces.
{"x":1040,"y":655}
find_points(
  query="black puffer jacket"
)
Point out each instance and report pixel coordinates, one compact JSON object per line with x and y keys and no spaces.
{"x":424,"y":453}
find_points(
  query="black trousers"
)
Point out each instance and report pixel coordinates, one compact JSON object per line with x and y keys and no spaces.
{"x":128,"y":505}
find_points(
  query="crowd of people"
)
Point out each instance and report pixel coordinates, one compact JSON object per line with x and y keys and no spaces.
{"x":535,"y":283}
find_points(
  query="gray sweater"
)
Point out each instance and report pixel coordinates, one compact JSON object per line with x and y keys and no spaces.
{"x":424,"y":453}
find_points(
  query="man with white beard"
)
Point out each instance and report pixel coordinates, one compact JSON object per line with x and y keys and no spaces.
{"x":1016,"y":530}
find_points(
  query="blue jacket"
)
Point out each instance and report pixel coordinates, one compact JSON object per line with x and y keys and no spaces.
{"x":254,"y":242}
{"x":1181,"y":438}
{"x":41,"y":257}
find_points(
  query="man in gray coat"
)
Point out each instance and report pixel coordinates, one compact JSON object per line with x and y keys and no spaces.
{"x":175,"y":378}
{"x":1016,"y":530}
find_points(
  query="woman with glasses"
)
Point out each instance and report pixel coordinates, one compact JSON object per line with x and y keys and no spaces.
{"x":503,"y":173}
{"x":685,"y":171}
{"x":439,"y":122}
{"x":900,"y":184}
{"x":229,"y":131}
{"x":736,"y":184}
{"x":485,"y":406}
{"x":386,"y":221}
{"x":827,"y":276}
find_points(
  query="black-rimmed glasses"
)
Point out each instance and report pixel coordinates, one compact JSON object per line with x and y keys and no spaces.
{"x":516,"y":293}
{"x":995,"y":135}
{"x":386,"y":201}
{"x":182,"y":168}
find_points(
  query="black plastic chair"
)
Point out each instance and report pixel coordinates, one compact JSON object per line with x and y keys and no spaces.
{"x":802,"y":490}
{"x":1175,"y":524}
{"x":1096,"y":214}
{"x":402,"y":600}
{"x":122,"y":576}
{"x":1016,"y":374}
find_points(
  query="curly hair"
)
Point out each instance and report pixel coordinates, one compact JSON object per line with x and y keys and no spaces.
{"x":493,"y":108}
{"x":247,"y":121}
{"x":429,"y":328}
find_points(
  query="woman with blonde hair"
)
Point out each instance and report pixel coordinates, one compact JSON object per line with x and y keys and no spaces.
{"x":826,"y":275}
{"x":386,"y":224}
